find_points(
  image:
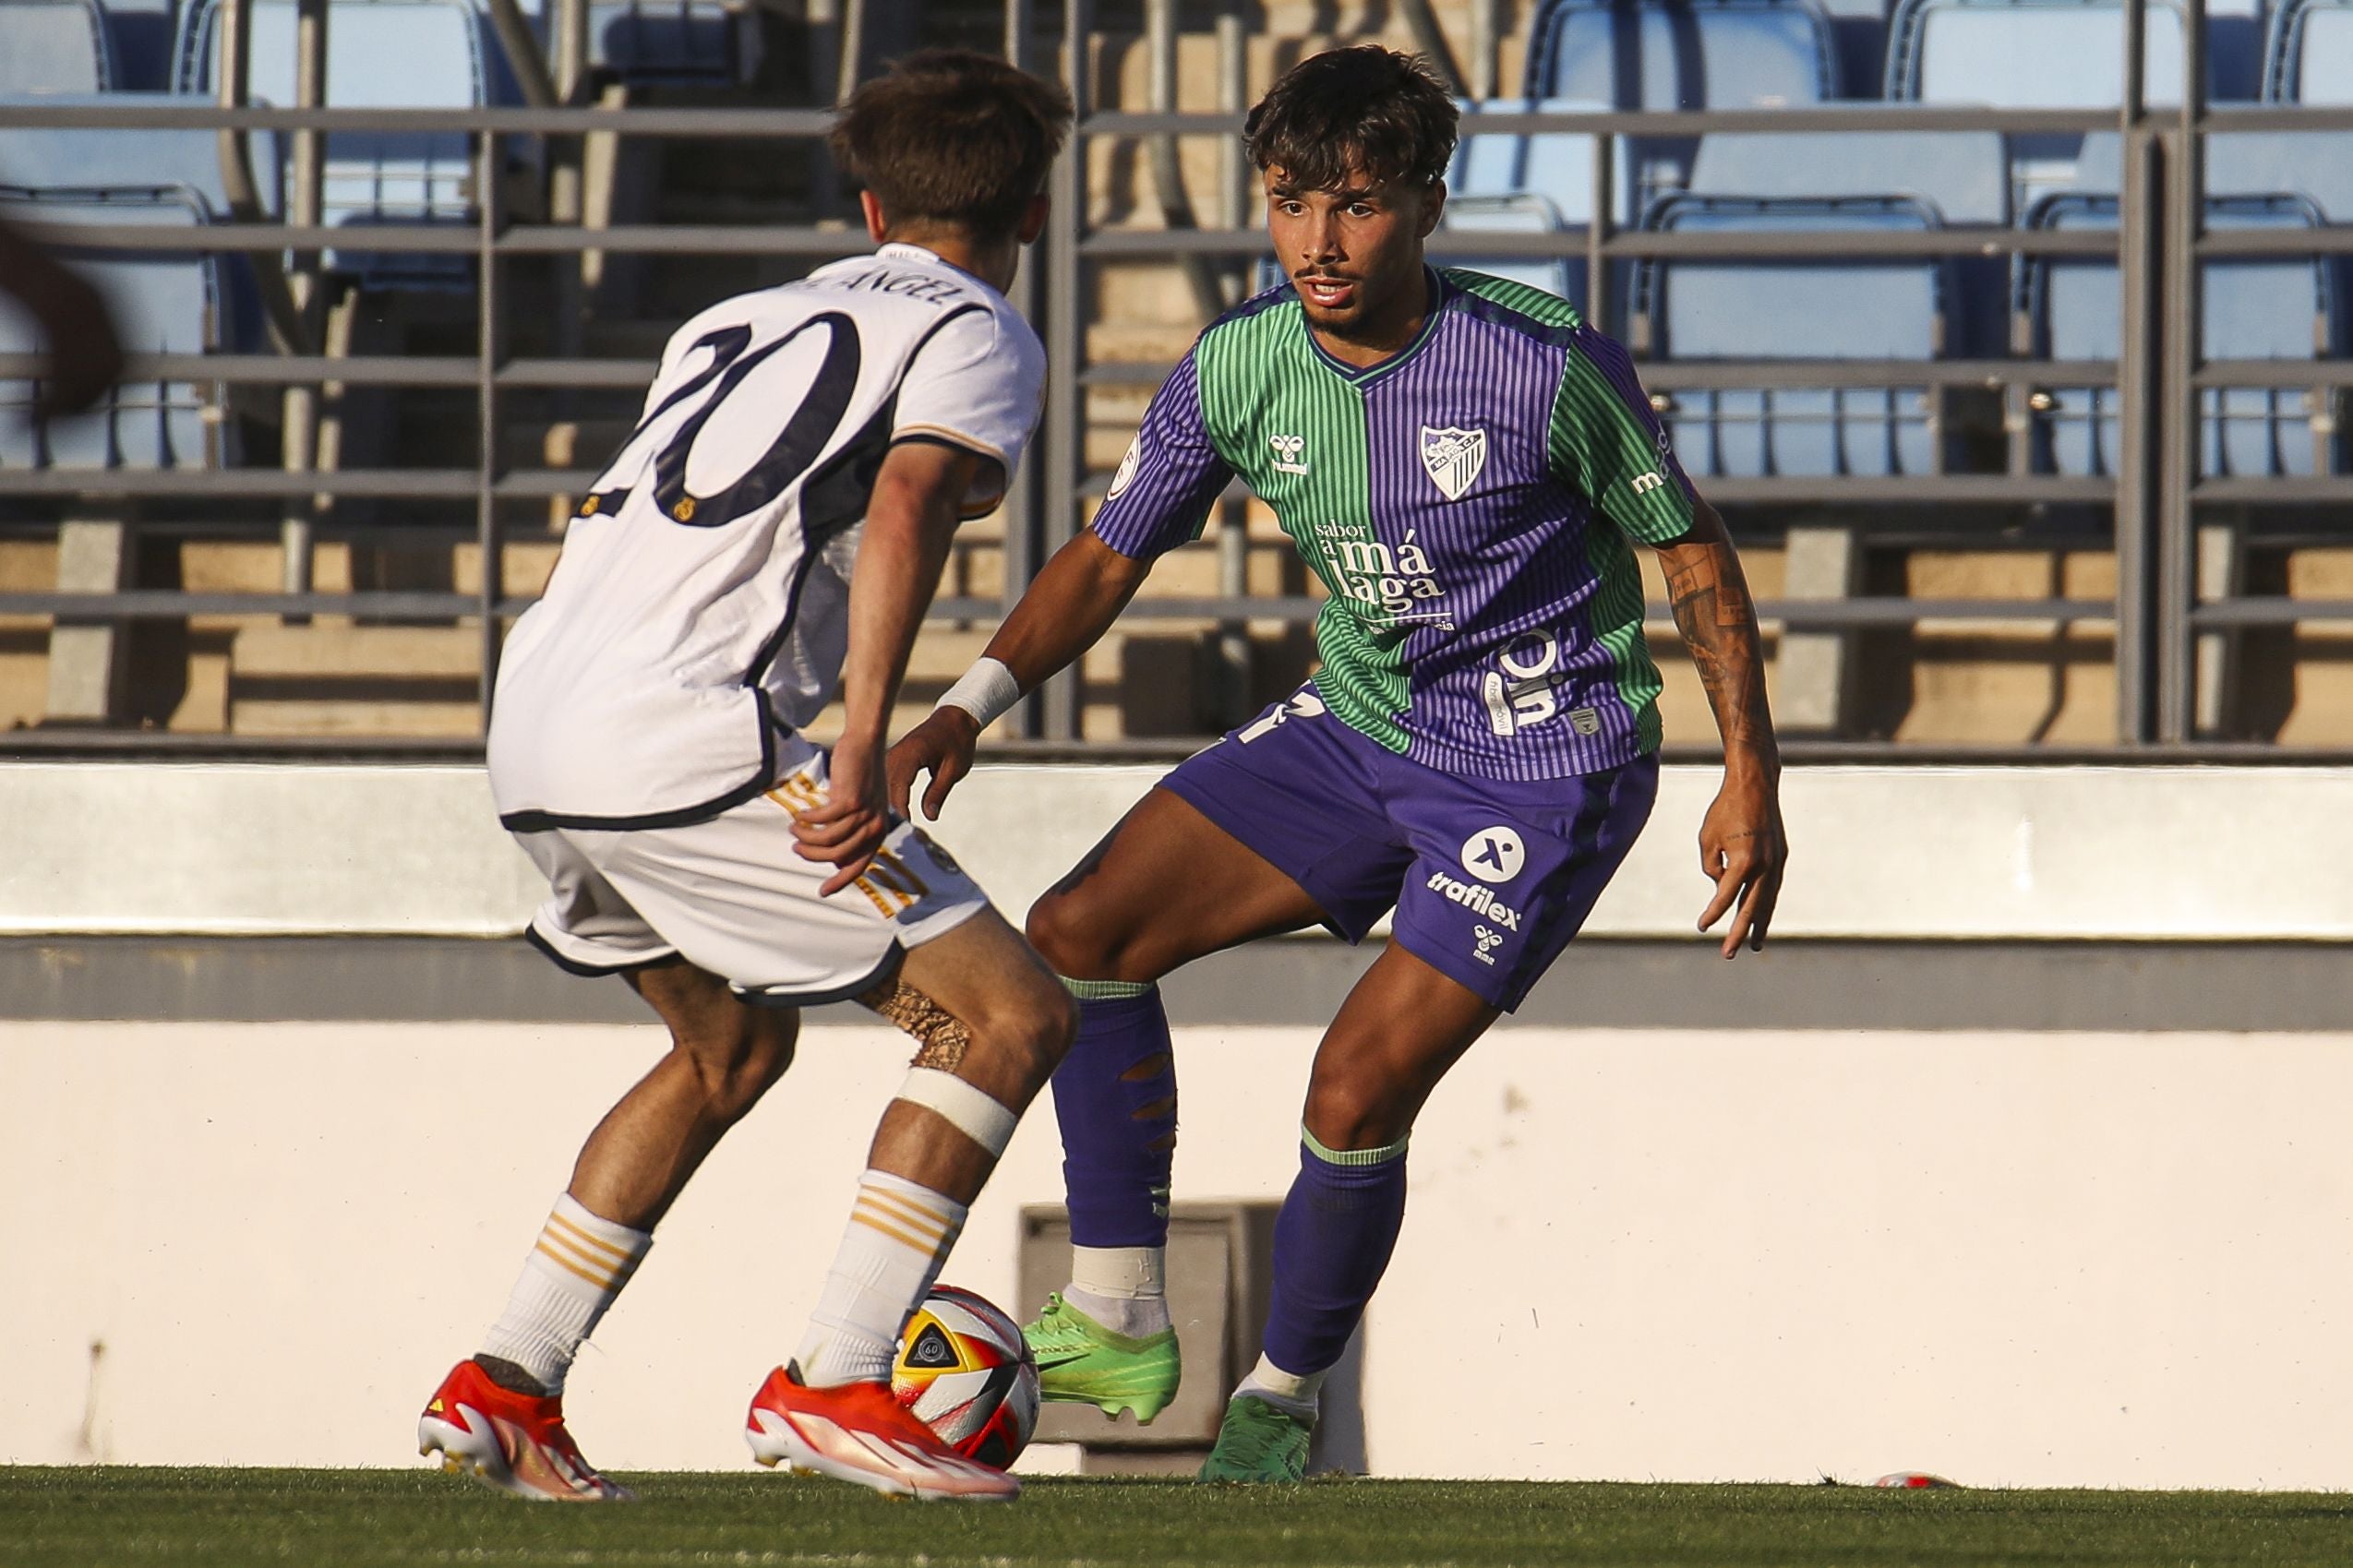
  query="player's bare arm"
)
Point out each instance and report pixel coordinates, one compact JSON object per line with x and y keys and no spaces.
{"x":909,"y":526}
{"x":1741,"y":847}
{"x":1073,"y":600}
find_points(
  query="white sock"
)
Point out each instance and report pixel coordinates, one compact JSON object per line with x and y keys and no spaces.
{"x":1298,"y":1393}
{"x":574,"y":1272}
{"x":898,"y":1236}
{"x":1124,"y":1288}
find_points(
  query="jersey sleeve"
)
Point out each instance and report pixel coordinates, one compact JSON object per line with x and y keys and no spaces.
{"x":1161,"y":495}
{"x":976,"y":383}
{"x":1607,"y":443}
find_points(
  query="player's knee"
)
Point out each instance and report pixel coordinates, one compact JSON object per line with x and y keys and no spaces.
{"x":1069,"y":943}
{"x":1026,"y":1035}
{"x":1078,"y":941}
{"x":1357,"y":1113}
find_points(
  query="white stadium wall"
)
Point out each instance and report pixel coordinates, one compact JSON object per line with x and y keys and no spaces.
{"x":2040,"y":1258}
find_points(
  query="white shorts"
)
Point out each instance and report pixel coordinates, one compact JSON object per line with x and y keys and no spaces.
{"x":728,"y":894}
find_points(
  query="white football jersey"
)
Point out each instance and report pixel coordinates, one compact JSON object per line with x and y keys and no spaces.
{"x":701,"y":598}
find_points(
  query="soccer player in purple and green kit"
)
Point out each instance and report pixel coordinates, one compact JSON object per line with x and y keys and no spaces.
{"x":1467,"y":466}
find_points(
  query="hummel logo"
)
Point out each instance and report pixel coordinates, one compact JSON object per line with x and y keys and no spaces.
{"x":1647,"y":483}
{"x":1287,"y":450}
{"x":1488,"y":942}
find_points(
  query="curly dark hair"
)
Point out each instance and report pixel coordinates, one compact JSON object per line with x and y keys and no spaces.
{"x":1366,"y":110}
{"x":954,"y":137}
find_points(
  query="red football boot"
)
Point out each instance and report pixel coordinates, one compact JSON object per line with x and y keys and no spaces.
{"x":858,"y":1433}
{"x":514,"y":1442}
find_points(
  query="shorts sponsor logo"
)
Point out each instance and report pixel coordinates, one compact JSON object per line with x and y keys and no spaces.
{"x":1301,"y":705}
{"x":1646,"y":483}
{"x":1494,"y":854}
{"x":1453,"y":458}
{"x":1478,"y":899}
{"x":1128,"y":465}
{"x":1488,"y":942}
{"x":1287,"y":450}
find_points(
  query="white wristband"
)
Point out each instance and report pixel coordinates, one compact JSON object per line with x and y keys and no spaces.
{"x":986,"y":692}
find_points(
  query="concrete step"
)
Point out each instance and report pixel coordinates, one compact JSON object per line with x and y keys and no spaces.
{"x":333,"y":677}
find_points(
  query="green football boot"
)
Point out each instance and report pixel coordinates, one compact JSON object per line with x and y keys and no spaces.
{"x":1256,"y":1442}
{"x":1081,"y":1362}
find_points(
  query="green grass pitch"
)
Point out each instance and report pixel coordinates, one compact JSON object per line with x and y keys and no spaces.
{"x":147,"y":1518}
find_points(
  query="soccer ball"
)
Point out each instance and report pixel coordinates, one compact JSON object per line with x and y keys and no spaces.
{"x":966,"y":1372}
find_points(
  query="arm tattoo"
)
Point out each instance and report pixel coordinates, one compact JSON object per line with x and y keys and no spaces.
{"x":1710,"y":597}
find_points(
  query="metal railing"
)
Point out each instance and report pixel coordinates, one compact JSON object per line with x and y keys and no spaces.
{"x":2155,"y":495}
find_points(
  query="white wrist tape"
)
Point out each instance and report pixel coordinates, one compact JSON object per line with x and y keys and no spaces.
{"x":968,"y":1111}
{"x":987,"y":691}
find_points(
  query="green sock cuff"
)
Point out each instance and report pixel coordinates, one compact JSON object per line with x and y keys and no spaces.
{"x":1105,"y":990}
{"x":1354,"y":1157}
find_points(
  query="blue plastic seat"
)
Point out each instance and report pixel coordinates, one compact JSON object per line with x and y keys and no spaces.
{"x":1737,"y":309}
{"x":447,"y":58}
{"x":142,"y":32}
{"x":1963,"y":175}
{"x":43,"y":157}
{"x":1556,"y":165}
{"x":2315,"y":164}
{"x":2282,"y":307}
{"x":659,"y":42}
{"x":1523,"y":213}
{"x":54,"y":46}
{"x":163,"y":302}
{"x":2034,"y":54}
{"x":2308,"y":57}
{"x":1682,"y":53}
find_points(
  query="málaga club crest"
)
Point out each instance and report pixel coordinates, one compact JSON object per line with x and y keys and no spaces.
{"x":1454,"y":458}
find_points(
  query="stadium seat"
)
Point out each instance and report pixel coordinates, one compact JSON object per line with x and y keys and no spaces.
{"x":163,"y":303}
{"x":448,"y":59}
{"x":68,"y":158}
{"x":2039,"y":54}
{"x":1964,"y":176}
{"x":1524,"y":213}
{"x":2317,"y":164}
{"x":2309,"y":58}
{"x":54,"y":46}
{"x":142,"y":31}
{"x":2282,"y":307}
{"x":1960,"y":175}
{"x":1766,"y":310}
{"x":48,"y":156}
{"x":652,"y":43}
{"x":1682,"y":53}
{"x":1557,"y":165}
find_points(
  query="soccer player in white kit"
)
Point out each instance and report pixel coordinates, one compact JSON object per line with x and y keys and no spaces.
{"x":778,"y":522}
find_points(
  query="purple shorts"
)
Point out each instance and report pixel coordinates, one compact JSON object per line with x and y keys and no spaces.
{"x":1490,"y":878}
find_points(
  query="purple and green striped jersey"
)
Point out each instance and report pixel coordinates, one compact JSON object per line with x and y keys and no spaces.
{"x":1469,"y":503}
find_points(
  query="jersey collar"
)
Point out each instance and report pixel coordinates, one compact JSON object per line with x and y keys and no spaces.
{"x":1364,"y":376}
{"x":907,"y":250}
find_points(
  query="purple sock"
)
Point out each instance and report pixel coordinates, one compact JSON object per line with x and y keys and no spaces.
{"x":1332,"y":1243}
{"x":1115,"y":1099}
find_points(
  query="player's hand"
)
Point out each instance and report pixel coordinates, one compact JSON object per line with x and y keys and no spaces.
{"x":851,"y":825}
{"x":941,"y":746}
{"x":1743,"y":850}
